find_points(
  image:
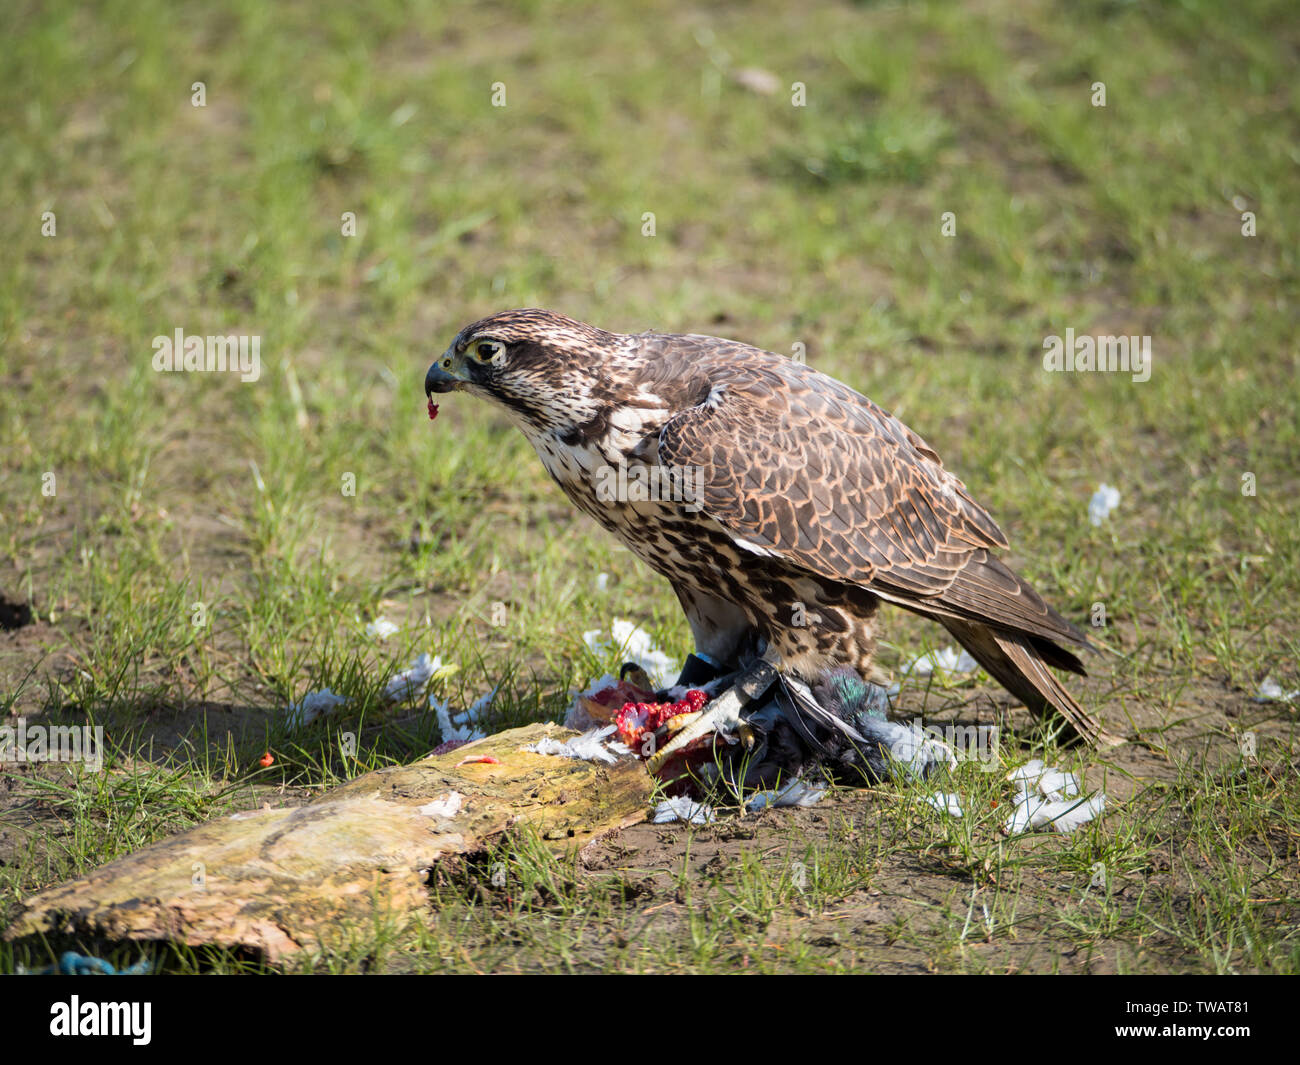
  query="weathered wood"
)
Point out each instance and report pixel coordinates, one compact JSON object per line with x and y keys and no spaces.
{"x":284,"y":882}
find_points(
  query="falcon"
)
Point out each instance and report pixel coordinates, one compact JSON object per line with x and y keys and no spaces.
{"x":782,"y":505}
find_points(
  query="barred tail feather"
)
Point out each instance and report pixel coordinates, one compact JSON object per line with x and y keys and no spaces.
{"x":1016,"y":662}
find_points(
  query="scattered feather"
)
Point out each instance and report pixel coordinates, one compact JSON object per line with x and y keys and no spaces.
{"x":914,"y":749}
{"x":1103,"y":501}
{"x":635,"y":645}
{"x":409,"y":682}
{"x":1030,"y":771}
{"x":1054,"y":784}
{"x":453,"y":731}
{"x":945,"y":802}
{"x":381,"y":628}
{"x":944,"y":663}
{"x":447,"y":806}
{"x":313,"y":705}
{"x":589,"y":747}
{"x":1033,"y":812}
{"x":1058,"y":785}
{"x":683,"y":809}
{"x":796,"y":793}
{"x":1271,"y":691}
{"x":481,"y":704}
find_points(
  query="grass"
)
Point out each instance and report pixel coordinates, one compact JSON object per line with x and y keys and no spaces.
{"x":195,"y":560}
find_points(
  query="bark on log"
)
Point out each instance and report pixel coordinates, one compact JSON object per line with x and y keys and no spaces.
{"x":283,"y":882}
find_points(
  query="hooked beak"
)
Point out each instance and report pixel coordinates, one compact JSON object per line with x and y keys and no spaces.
{"x":442,"y":374}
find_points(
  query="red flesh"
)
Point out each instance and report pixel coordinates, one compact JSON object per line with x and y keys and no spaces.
{"x":636,"y":719}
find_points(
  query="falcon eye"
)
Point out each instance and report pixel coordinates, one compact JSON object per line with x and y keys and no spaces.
{"x":487,"y":350}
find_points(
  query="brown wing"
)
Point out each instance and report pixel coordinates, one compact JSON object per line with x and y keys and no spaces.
{"x":801,"y":466}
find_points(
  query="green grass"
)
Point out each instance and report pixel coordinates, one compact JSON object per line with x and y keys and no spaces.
{"x":818,"y":225}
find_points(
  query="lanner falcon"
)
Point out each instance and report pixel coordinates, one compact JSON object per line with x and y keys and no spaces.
{"x":797,"y":503}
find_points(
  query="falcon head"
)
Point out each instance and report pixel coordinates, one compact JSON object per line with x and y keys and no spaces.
{"x":546,"y":371}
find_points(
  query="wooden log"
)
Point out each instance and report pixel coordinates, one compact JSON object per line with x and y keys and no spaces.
{"x":284,"y":882}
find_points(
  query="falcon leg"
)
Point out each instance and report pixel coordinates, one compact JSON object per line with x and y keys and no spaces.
{"x":700,"y":670}
{"x":721,"y":629}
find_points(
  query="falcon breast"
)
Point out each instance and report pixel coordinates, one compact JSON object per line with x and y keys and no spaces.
{"x":782,"y":505}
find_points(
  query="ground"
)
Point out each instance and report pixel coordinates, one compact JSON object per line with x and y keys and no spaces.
{"x":180,"y":555}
